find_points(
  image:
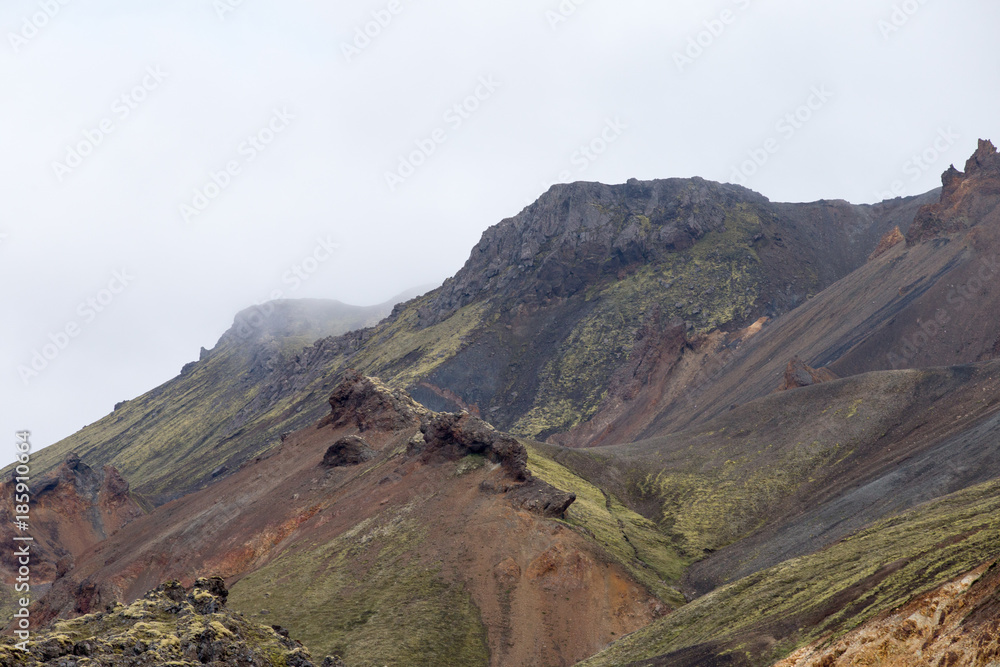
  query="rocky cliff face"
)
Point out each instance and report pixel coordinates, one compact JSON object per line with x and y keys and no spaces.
{"x":72,"y":509}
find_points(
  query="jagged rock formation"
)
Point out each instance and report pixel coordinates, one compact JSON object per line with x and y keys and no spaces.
{"x":170,"y":625}
{"x":966,"y":198}
{"x":367,"y":403}
{"x":458,"y":435}
{"x":799,"y":374}
{"x":892,"y":238}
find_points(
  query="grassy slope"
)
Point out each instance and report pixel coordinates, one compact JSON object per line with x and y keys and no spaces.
{"x":368,"y":597}
{"x":631,"y":539}
{"x":708,"y":487}
{"x":811,"y":597}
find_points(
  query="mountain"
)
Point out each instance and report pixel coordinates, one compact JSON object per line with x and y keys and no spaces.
{"x":557,"y":312}
{"x":194,"y":428}
{"x":665,"y":422}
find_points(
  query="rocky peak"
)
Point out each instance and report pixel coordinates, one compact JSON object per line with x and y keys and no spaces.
{"x":986,"y":160}
{"x":966,"y":196}
{"x":575,"y":233}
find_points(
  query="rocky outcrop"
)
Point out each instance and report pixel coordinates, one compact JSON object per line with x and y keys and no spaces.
{"x":456,"y":435}
{"x":369,"y":404}
{"x":891,"y":239}
{"x":71,"y":509}
{"x":966,"y":198}
{"x":453,"y":436}
{"x":171,"y":625}
{"x":348,"y":451}
{"x":955,"y":624}
{"x":799,"y":374}
{"x":541,"y":498}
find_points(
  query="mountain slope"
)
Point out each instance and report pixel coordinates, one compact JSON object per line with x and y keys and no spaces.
{"x":185,"y":433}
{"x":924,"y":303}
{"x":954,"y":624}
{"x":764,"y":617}
{"x":532,"y":334}
{"x":796,"y":471}
{"x":392,"y":535}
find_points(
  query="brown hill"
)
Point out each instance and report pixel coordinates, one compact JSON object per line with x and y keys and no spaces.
{"x":439,"y":549}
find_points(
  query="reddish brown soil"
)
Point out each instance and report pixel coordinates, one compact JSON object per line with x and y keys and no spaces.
{"x":547,"y":594}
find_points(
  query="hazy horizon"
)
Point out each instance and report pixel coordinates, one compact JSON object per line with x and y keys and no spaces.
{"x":174,"y":163}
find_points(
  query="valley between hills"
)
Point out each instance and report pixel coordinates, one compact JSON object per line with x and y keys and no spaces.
{"x":665,"y":422}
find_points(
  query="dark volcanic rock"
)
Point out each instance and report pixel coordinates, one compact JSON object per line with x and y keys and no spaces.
{"x":458,"y":435}
{"x":349,"y":451}
{"x":368,"y":404}
{"x":454,"y":436}
{"x":541,"y":498}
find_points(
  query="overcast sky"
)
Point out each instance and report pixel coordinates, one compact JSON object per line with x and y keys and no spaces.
{"x":185,"y":156}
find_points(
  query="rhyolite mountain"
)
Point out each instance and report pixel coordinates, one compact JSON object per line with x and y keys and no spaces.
{"x":533,"y":333}
{"x":682,"y":510}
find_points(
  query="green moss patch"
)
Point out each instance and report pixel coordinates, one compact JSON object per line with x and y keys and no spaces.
{"x":370,"y":598}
